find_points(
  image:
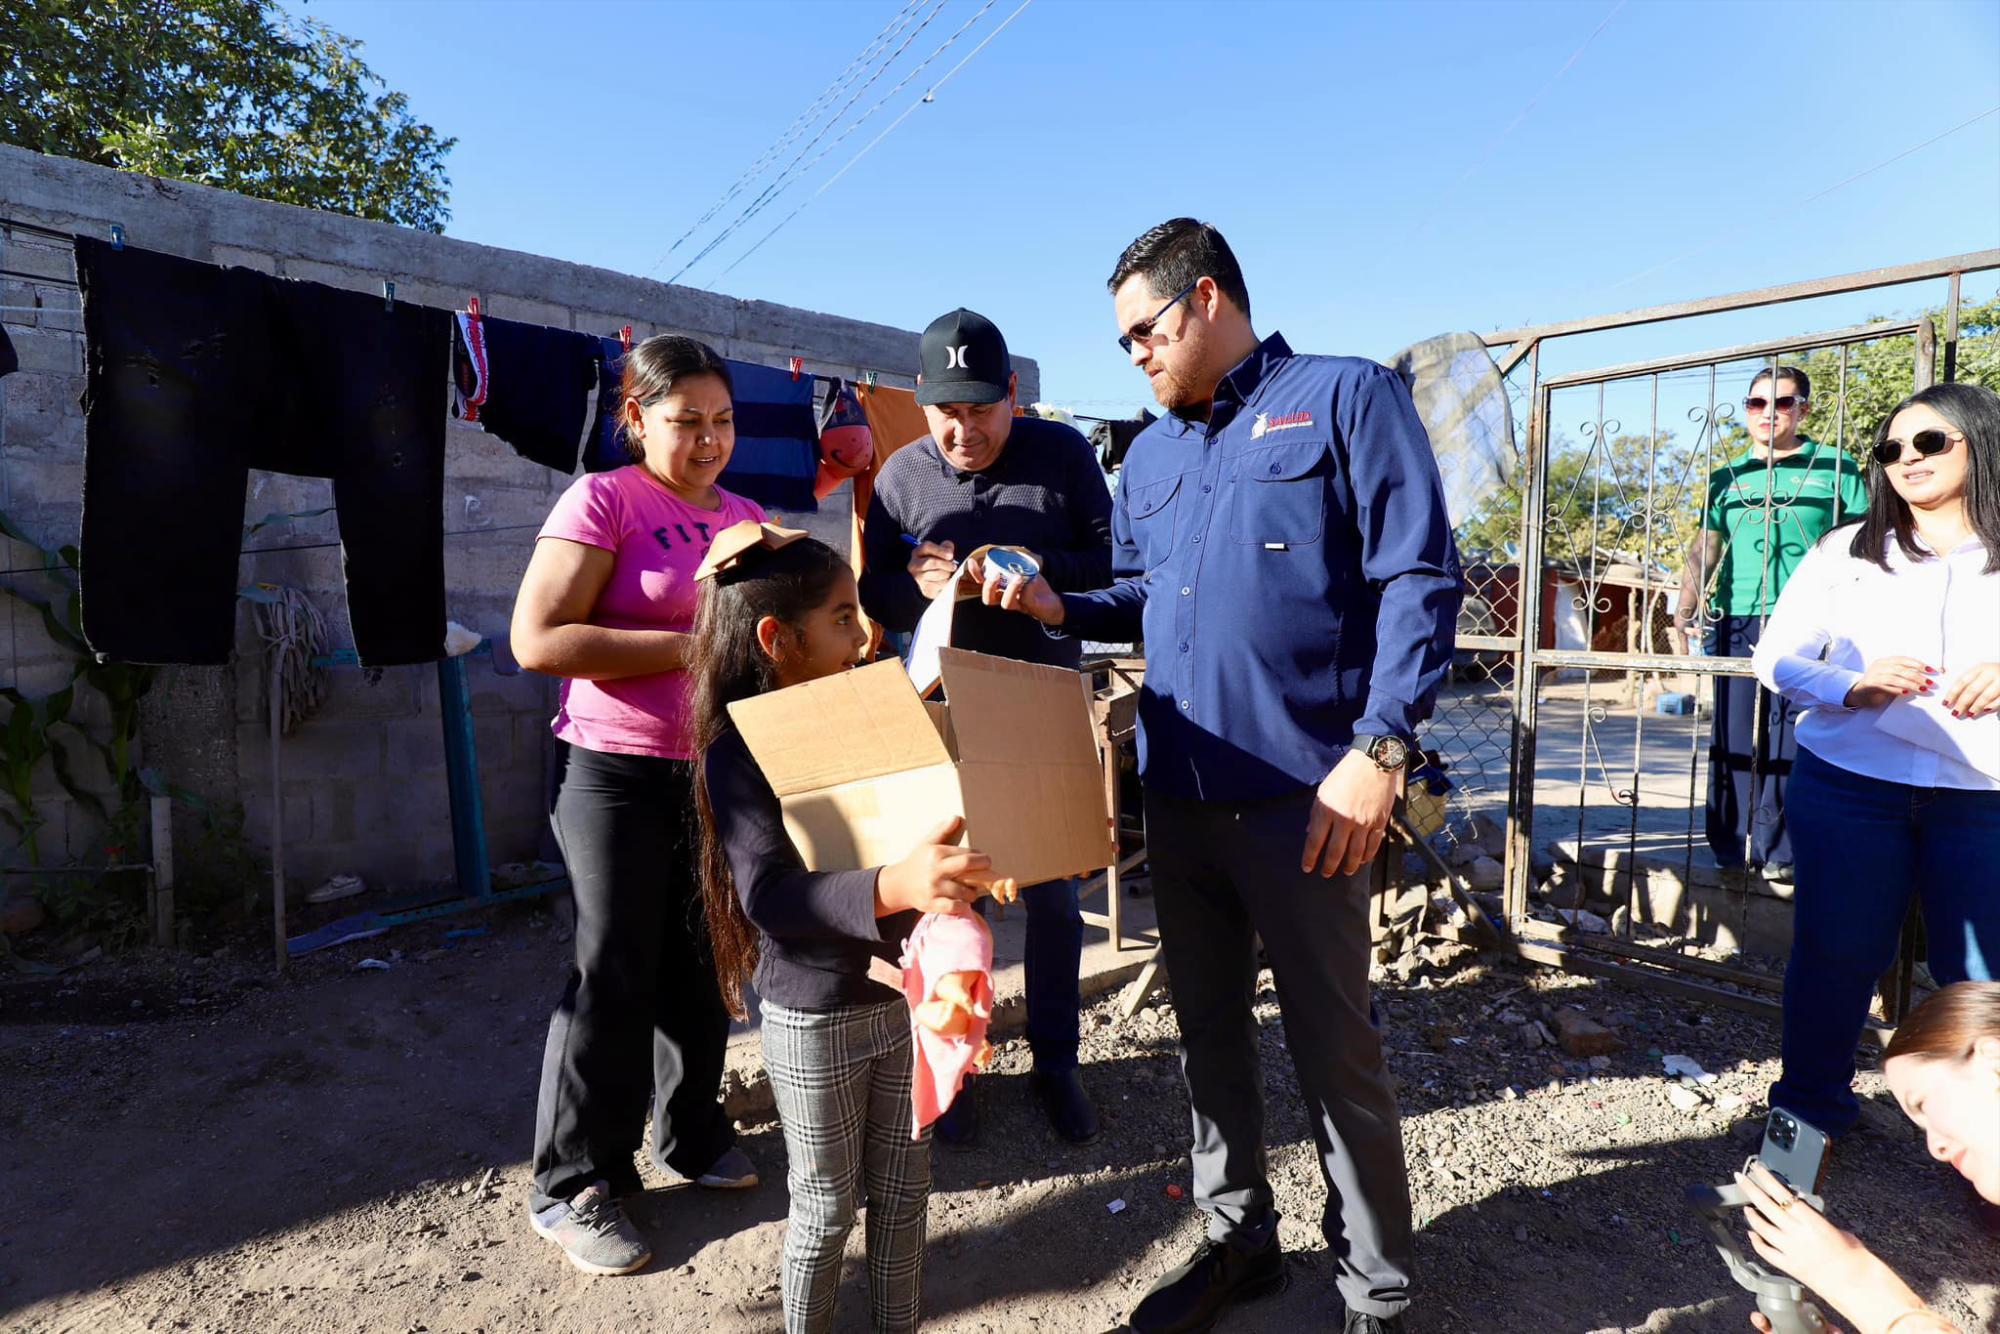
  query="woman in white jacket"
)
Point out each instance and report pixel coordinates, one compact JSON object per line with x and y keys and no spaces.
{"x":1889,"y":635}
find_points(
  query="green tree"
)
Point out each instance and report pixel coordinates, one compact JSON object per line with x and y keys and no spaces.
{"x":230,"y":93}
{"x":1625,"y":500}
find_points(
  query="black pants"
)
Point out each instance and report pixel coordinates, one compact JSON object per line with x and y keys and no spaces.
{"x":1747,"y":773}
{"x":644,"y":980}
{"x":1224,"y":873}
{"x":197,"y":374}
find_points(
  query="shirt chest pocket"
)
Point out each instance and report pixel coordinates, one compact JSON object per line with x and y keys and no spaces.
{"x":1277,"y":495}
{"x":1150,"y":508}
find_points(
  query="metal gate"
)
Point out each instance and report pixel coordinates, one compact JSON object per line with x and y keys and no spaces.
{"x":1565,"y":652}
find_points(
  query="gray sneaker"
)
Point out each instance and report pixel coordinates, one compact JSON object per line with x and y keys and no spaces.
{"x":594,"y":1232}
{"x":732,"y":1171}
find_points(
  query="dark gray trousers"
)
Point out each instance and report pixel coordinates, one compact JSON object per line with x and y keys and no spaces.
{"x":1223,"y":874}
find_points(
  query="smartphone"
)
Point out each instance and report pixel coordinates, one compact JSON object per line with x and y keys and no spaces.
{"x":1795,"y":1150}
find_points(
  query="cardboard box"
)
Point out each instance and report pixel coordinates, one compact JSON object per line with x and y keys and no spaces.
{"x":863,"y":768}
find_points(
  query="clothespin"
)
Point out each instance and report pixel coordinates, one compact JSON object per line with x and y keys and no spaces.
{"x":472,"y":307}
{"x":798,"y":364}
{"x":388,"y":295}
{"x":625,"y":337}
{"x":868,"y":378}
{"x":117,"y":236}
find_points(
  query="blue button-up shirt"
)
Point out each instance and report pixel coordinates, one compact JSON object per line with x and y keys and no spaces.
{"x":1290,"y":566}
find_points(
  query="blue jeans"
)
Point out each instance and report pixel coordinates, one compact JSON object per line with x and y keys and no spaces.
{"x":1054,"y":967}
{"x":1863,"y":846}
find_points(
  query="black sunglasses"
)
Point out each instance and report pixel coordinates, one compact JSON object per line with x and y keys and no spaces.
{"x":1786,"y":402}
{"x":1927,"y":443}
{"x":1144,"y":328}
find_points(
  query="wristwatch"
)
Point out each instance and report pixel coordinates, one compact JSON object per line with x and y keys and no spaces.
{"x":1390,"y":753}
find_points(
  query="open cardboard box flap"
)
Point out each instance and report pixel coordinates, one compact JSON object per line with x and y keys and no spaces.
{"x":863,"y":770}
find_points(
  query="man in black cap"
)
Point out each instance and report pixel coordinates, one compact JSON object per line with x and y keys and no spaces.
{"x":984,"y":476}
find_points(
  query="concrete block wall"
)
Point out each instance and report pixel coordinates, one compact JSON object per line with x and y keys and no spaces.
{"x":362,"y":783}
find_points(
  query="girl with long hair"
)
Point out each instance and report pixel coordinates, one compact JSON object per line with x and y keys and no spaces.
{"x":780,"y":609}
{"x":1889,"y":635}
{"x":608,"y":604}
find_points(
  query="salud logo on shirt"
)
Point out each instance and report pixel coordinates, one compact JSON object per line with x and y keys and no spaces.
{"x":1266,"y":423}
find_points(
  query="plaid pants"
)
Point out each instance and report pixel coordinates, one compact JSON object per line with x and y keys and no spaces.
{"x":841,"y":1079}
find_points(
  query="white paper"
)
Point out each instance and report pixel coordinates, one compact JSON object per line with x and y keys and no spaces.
{"x":1921,"y":721}
{"x":924,"y":662}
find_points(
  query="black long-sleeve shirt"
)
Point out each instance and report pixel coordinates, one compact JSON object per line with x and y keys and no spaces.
{"x":1045,"y":492}
{"x":816,"y":929}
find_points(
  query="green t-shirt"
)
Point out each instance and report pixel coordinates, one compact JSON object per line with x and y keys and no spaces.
{"x":1783,"y":510}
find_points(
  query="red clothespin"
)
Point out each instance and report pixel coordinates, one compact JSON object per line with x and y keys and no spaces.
{"x":472,"y":307}
{"x":798,"y":364}
{"x":625,"y":337}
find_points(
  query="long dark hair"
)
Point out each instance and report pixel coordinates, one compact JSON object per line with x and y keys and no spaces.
{"x":654,"y":367}
{"x":1974,"y":412}
{"x":1949,"y":1025}
{"x":729,"y":665}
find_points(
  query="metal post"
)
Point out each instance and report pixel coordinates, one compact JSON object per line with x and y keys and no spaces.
{"x":1926,"y":375}
{"x":461,"y":762}
{"x":1528,"y":618}
{"x":277,"y":816}
{"x":162,"y":810}
{"x":1951,"y":331}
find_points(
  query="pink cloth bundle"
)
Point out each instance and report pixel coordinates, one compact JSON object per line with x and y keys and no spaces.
{"x":941,"y":945}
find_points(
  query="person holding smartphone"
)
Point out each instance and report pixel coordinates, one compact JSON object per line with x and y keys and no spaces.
{"x":1888,"y":635}
{"x":1943,"y":1066}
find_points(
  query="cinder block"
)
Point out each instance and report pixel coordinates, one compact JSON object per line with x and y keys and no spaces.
{"x":260,"y":260}
{"x":322,"y":748}
{"x":48,"y":352}
{"x":527,"y":692}
{"x":493,"y":737}
{"x":526,"y":310}
{"x":298,"y":815}
{"x":333,"y":812}
{"x":25,"y":253}
{"x":415,"y":745}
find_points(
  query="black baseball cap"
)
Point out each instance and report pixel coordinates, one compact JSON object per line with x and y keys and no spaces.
{"x":964,"y":360}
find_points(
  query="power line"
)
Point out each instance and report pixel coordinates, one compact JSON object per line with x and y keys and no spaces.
{"x":1522,"y":114}
{"x":928,"y":96}
{"x":1799,"y":204}
{"x":798,"y":126}
{"x":783,"y":181}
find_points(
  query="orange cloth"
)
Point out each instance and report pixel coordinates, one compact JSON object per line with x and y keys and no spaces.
{"x":894,"y":420}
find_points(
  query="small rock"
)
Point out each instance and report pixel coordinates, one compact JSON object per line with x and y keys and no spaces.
{"x":1621,"y":921}
{"x":138,"y":1004}
{"x":1520,"y":1233}
{"x":1600,"y":1062}
{"x":1583,"y":1036}
{"x":1531,"y":1035}
{"x":1683,"y":1098}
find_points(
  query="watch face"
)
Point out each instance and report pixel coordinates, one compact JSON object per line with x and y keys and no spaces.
{"x":1390,"y":752}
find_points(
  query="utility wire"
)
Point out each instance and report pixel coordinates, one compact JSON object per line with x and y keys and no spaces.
{"x":1795,"y":206}
{"x":793,"y":171}
{"x":799,"y":125}
{"x":928,"y":96}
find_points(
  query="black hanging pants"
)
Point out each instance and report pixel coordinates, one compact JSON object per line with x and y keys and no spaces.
{"x":194,"y":375}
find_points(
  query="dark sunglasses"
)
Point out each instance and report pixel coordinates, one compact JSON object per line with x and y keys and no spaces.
{"x":1785,"y":402}
{"x":1927,"y":443}
{"x":1143,"y":330}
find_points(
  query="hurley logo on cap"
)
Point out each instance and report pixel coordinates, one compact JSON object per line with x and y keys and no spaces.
{"x":963,"y":359}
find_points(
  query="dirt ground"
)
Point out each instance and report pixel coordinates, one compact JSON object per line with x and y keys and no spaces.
{"x":190,"y":1146}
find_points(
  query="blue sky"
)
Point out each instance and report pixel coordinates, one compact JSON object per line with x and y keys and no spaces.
{"x":1385,"y":171}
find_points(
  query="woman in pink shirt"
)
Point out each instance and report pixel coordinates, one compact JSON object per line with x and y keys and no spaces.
{"x":608,"y":604}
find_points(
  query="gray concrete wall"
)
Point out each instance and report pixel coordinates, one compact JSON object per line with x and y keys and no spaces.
{"x":363,"y":782}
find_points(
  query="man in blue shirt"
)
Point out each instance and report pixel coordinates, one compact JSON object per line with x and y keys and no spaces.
{"x":984,"y":476}
{"x":1280,"y":541}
